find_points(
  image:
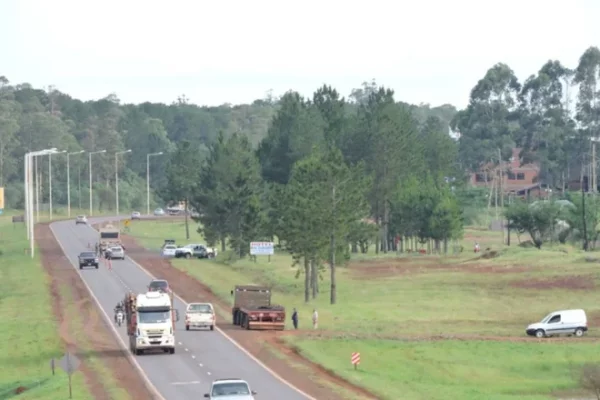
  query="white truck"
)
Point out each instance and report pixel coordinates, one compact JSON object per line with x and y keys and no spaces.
{"x":150,"y":322}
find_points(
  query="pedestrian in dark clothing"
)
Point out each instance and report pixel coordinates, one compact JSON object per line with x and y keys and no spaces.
{"x":295,"y":319}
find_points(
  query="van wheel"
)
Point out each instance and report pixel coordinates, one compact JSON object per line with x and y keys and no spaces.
{"x":539,"y":334}
{"x":579,"y":332}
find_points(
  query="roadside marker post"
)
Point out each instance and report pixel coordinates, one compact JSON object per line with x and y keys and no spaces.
{"x":355,"y":359}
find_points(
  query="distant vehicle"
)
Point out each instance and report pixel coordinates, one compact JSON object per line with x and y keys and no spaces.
{"x":159,"y":285}
{"x":88,"y":259}
{"x":200,"y":315}
{"x":565,"y":322}
{"x":195,"y":250}
{"x":252,"y":309}
{"x":81,"y":219}
{"x":159,"y":212}
{"x":168,"y":250}
{"x":115,"y":253}
{"x":136,"y":215}
{"x":230,"y":389}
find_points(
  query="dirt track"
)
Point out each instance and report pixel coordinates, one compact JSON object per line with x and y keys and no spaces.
{"x":99,"y":341}
{"x":260,"y":344}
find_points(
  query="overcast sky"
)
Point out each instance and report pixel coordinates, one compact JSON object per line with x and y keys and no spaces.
{"x":228,"y":51}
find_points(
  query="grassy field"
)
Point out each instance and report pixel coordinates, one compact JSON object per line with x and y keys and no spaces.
{"x":30,"y":330}
{"x":382,"y":300}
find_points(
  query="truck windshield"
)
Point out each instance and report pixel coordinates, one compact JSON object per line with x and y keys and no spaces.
{"x":109,"y":235}
{"x":154,"y":317}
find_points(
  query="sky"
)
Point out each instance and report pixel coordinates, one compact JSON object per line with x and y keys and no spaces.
{"x":228,"y":51}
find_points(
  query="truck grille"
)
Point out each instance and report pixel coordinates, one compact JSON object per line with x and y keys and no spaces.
{"x":155,"y":333}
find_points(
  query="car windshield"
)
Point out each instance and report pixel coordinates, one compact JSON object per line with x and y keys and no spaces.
{"x":547,"y":318}
{"x":159,"y":285}
{"x":154,"y":317}
{"x":116,"y":249}
{"x":200,"y":308}
{"x":88,"y":254}
{"x":229,"y":389}
{"x":81,"y":216}
{"x":170,"y":247}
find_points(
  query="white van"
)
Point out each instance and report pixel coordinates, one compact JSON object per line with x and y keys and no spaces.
{"x":565,"y":322}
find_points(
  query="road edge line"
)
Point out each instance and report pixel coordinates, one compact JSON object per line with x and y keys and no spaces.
{"x":236,"y":344}
{"x":151,"y":388}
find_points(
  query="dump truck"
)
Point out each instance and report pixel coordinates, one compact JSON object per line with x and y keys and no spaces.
{"x":252,"y":309}
{"x":109,"y":236}
{"x":150,"y":322}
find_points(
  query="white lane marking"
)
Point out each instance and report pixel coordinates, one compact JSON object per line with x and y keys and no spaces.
{"x":193,"y":356}
{"x":151,"y":388}
{"x":180,"y":344}
{"x":208,"y":373}
{"x":186,"y":350}
{"x":201,"y":365}
{"x":236,"y":344}
{"x":186,"y":383}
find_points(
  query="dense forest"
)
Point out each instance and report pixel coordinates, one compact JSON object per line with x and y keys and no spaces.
{"x":325,"y":175}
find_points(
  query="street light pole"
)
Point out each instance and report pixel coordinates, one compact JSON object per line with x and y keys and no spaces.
{"x":117,"y":177}
{"x":37,"y":191}
{"x":69,"y":182}
{"x":148,"y":179}
{"x":26,"y":185}
{"x":90,"y":168}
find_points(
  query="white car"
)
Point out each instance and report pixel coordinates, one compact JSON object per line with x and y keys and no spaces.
{"x":159,"y":212}
{"x":115,"y":252}
{"x":136,"y":215}
{"x":169,"y":250}
{"x":230,"y":389}
{"x":200,"y":315}
{"x":81,"y":219}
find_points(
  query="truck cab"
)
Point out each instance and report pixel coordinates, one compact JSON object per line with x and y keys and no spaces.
{"x":151,"y":322}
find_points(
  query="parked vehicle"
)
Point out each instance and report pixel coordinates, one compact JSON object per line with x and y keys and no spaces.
{"x":195,"y":250}
{"x":150,"y":322}
{"x":136,"y":215}
{"x":252,"y":309}
{"x":226,"y":389}
{"x":565,"y":322}
{"x":200,"y":315}
{"x":115,"y":253}
{"x":81,"y":219}
{"x":159,"y":212}
{"x":88,"y":259}
{"x":169,"y":250}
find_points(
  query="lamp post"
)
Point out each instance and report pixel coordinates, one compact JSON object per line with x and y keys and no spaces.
{"x":69,"y":181}
{"x":50,"y":179}
{"x":148,"y":179}
{"x":117,"y":176}
{"x":90,"y":168}
{"x":29,"y":186}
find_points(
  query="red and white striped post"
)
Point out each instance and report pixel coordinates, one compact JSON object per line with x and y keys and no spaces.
{"x":355,"y":359}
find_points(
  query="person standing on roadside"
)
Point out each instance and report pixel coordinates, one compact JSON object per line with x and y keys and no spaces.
{"x":315,"y":319}
{"x":295,"y":318}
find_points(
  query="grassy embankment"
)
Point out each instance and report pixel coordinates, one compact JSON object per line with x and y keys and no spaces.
{"x":30,"y":330}
{"x":382,"y":301}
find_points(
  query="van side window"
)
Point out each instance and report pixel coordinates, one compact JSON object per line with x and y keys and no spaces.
{"x":554,"y":319}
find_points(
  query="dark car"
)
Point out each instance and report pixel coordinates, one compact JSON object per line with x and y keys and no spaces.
{"x":88,"y":259}
{"x":159,"y":285}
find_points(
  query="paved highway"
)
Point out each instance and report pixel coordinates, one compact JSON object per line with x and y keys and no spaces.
{"x":200,"y":357}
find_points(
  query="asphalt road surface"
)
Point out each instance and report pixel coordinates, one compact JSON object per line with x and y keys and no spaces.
{"x":201,"y":355}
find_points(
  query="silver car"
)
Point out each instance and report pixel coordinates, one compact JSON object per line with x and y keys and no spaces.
{"x":159,"y":212}
{"x":230,"y":389}
{"x":115,"y":253}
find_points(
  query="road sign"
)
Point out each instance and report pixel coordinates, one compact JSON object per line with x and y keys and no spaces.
{"x":262,"y":248}
{"x":127,"y":221}
{"x":355,"y":359}
{"x":69,"y":363}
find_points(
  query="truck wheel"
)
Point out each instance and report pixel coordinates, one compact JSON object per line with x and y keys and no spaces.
{"x":187,"y":327}
{"x":138,"y":352}
{"x":96,"y":267}
{"x":234,"y":318}
{"x":212,"y":327}
{"x":80,"y":267}
{"x":172,"y":350}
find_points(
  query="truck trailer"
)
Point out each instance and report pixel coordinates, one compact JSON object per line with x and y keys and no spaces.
{"x":150,"y":322}
{"x":252,"y":309}
{"x":109,"y":236}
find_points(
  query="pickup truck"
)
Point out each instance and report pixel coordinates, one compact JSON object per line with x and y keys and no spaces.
{"x":195,"y":250}
{"x":88,"y":259}
{"x":200,"y":315}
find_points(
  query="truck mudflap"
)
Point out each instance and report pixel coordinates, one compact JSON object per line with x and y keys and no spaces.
{"x":265,"y":325}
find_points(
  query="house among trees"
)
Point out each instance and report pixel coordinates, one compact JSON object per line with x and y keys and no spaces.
{"x":518,"y":180}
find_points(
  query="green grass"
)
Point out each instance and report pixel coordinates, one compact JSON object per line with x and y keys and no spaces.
{"x":450,"y":299}
{"x":29,"y":331}
{"x":466,"y":370}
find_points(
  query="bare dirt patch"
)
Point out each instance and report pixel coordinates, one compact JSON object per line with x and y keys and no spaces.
{"x":422,"y":265}
{"x":580,"y":282}
{"x":258,"y":344}
{"x":100,"y":342}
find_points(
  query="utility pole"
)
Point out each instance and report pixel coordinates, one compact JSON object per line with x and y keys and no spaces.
{"x":585,"y":240}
